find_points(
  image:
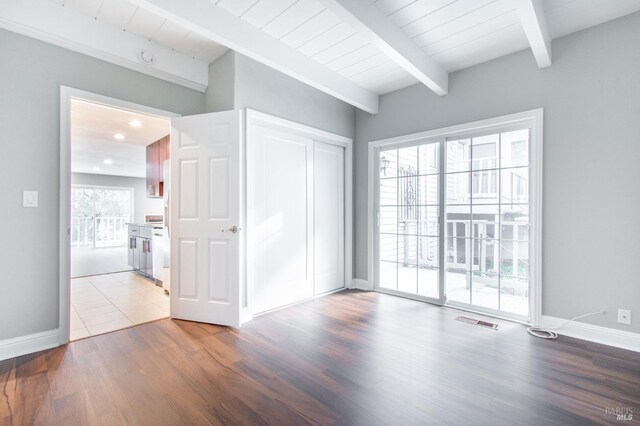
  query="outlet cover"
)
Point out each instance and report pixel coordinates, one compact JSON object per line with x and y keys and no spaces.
{"x":624,"y":316}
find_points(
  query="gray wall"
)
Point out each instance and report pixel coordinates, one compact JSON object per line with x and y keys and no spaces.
{"x":141,"y":205}
{"x":236,"y":81}
{"x":266,"y":90}
{"x":591,"y":101}
{"x":220,"y":91}
{"x":31,"y":73}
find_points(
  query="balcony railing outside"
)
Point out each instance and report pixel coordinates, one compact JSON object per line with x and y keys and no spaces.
{"x":104,"y":231}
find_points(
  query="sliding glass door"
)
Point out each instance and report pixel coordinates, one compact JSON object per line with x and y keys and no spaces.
{"x":453,"y":220}
{"x":408,"y":217}
{"x":487,"y":222}
{"x":99,"y":216}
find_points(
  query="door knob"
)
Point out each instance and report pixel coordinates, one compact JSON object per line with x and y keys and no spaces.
{"x":233,"y":229}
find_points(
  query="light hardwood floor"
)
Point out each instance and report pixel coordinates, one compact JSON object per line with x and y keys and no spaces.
{"x":350,"y":358}
{"x":105,"y":303}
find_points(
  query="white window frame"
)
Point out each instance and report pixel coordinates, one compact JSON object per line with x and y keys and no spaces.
{"x":132,"y":201}
{"x":532,"y":119}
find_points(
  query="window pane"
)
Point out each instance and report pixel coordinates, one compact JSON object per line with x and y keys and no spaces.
{"x":408,"y":161}
{"x":484,"y":152}
{"x":428,"y":252}
{"x":514,"y":257}
{"x":458,"y":285}
{"x":408,"y":197}
{"x":388,"y":275}
{"x":429,"y":190}
{"x":408,"y":278}
{"x":388,"y":247}
{"x":408,"y":227}
{"x":514,"y":295}
{"x":485,"y":290}
{"x":458,"y":155}
{"x":458,"y":188}
{"x":429,"y":221}
{"x":458,"y":215}
{"x":484,"y":187}
{"x":82,"y":217}
{"x":457,"y":251}
{"x":428,"y":282}
{"x":388,"y":220}
{"x":408,"y":264}
{"x":486,"y":217}
{"x":523,"y":232}
{"x":515,"y":148}
{"x":515,"y":186}
{"x":428,"y":158}
{"x":514,"y":222}
{"x":485,"y":255}
{"x":389,"y":192}
{"x":389,"y":163}
{"x":407,"y":250}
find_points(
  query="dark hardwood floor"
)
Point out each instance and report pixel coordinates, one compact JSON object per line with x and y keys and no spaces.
{"x":348,"y":358}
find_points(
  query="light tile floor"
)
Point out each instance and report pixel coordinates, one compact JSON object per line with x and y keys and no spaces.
{"x":104,"y":303}
{"x":89,"y":261}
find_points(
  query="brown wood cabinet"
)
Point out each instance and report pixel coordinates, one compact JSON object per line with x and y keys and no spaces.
{"x":157,"y":153}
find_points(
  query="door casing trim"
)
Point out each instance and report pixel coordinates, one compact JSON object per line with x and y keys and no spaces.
{"x":64,"y":240}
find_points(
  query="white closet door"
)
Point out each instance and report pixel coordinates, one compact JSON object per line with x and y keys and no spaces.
{"x":328,"y":171}
{"x":280,"y":209}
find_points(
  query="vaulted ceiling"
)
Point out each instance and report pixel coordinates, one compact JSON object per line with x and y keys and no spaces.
{"x":354,"y":50}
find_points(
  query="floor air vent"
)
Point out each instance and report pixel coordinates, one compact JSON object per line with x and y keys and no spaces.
{"x":478,"y":322}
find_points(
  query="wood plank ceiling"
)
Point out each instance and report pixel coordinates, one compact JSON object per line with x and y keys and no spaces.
{"x":456,"y":34}
{"x":125,"y":16}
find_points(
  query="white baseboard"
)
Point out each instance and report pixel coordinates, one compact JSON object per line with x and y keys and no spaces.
{"x":361,"y":284}
{"x":17,"y":346}
{"x":594,"y":333}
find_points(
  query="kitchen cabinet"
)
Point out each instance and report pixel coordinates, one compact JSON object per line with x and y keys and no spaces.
{"x":140,"y":253}
{"x":157,"y":154}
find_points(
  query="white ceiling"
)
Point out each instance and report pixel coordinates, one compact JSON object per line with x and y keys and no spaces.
{"x":354,"y":58}
{"x":127,"y":17}
{"x":456,"y":34}
{"x":93,"y":128}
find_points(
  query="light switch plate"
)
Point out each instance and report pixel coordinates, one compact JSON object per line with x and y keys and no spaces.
{"x":29,"y":198}
{"x":624,"y":316}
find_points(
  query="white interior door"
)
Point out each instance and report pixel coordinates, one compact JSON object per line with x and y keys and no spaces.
{"x":328,"y":194}
{"x":206,"y":197}
{"x":280,"y":206}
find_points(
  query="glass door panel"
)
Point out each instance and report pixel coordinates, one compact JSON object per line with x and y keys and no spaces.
{"x":99,"y":216}
{"x":487,"y":222}
{"x":112,"y":212}
{"x":82,"y":229}
{"x":453,"y":221}
{"x":408,"y":232}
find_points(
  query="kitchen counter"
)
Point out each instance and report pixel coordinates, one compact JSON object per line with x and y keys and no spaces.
{"x":148,"y":225}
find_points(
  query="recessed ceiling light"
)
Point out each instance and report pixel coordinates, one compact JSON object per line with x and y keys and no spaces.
{"x":108,"y":161}
{"x":118,"y":136}
{"x":135,"y":124}
{"x":96,"y":169}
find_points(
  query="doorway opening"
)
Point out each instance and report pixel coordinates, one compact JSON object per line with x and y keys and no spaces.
{"x":117,"y":243}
